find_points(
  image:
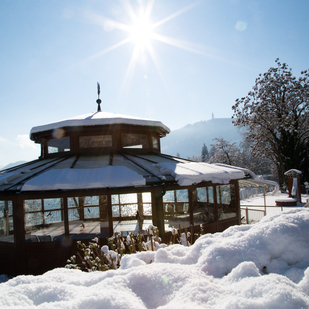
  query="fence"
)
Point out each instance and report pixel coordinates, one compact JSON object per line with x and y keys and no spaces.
{"x":249,"y":215}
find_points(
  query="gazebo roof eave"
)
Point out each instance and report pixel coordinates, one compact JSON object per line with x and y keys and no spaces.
{"x":89,"y":120}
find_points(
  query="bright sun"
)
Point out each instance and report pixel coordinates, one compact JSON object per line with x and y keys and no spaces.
{"x":141,"y":31}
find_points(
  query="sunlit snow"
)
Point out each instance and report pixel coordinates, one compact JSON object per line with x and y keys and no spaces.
{"x":110,"y":176}
{"x":195,"y":172}
{"x":263,"y":265}
{"x":99,"y":118}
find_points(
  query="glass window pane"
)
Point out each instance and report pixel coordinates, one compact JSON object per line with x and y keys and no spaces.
{"x":32,"y":205}
{"x":115,"y":211}
{"x":51,"y":149}
{"x":227,"y":206}
{"x":43,"y":224}
{"x":147,"y":209}
{"x":176,"y":212}
{"x":58,"y":144}
{"x":203,"y":210}
{"x":169,"y":196}
{"x":182,"y":195}
{"x":73,"y":202}
{"x":134,"y":141}
{"x":201,"y":195}
{"x":52,"y":216}
{"x":132,"y":214}
{"x":52,"y":203}
{"x":32,"y":219}
{"x":95,"y":141}
{"x":115,"y":199}
{"x":73,"y":214}
{"x":146,"y":197}
{"x":155,"y":143}
{"x":128,"y":210}
{"x":91,"y":200}
{"x":87,"y":221}
{"x":128,"y":198}
{"x":91,"y":212}
{"x":6,"y":221}
{"x":210,"y":194}
{"x":225,"y":194}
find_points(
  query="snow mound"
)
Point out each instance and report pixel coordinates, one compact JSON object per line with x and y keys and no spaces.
{"x":265,"y":265}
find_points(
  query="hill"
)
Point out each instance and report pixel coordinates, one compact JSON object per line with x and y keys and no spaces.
{"x":189,"y":140}
{"x":12,"y":165}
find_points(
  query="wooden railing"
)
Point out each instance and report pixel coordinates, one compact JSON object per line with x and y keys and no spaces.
{"x":250,"y":215}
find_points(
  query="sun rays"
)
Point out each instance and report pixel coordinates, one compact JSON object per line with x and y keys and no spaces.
{"x":141,"y":32}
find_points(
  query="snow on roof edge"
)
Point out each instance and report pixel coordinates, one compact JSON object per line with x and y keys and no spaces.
{"x":98,"y":118}
{"x":195,"y":172}
{"x":256,"y":178}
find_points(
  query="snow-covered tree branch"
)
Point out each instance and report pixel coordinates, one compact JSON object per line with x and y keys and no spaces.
{"x":275,"y":113}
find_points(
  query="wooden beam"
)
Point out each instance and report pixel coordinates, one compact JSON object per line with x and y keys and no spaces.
{"x":157,"y":208}
{"x":19,"y":235}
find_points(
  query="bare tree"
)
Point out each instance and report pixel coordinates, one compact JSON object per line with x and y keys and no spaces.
{"x":275,"y":114}
{"x":225,"y":153}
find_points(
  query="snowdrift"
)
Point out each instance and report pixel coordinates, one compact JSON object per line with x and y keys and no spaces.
{"x":265,"y":265}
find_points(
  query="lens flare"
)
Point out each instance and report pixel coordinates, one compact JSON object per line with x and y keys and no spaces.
{"x":241,"y":26}
{"x":58,"y":133}
{"x":165,"y":280}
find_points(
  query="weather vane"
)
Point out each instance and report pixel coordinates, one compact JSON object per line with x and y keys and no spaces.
{"x":98,"y":100}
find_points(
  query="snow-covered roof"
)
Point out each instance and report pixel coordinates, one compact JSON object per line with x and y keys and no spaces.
{"x":292,"y":172}
{"x":98,"y":118}
{"x":254,"y":180}
{"x":196,"y":172}
{"x":67,"y":178}
{"x":85,"y":172}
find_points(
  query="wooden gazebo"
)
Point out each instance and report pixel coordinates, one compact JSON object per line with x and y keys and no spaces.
{"x":96,"y":172}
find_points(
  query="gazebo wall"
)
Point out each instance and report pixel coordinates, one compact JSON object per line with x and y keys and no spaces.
{"x":23,"y":257}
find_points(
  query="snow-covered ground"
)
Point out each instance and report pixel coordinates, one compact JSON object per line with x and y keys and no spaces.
{"x":258,"y":200}
{"x":264,"y":265}
{"x":256,"y":206}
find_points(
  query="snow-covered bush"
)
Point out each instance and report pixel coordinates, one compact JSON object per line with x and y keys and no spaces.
{"x":92,"y":258}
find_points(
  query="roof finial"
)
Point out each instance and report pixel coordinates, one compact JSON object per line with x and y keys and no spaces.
{"x":98,"y":100}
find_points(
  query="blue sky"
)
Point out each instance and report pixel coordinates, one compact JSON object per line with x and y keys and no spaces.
{"x":199,"y":58}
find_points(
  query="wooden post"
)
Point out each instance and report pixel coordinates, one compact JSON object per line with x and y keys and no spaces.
{"x":192,"y":200}
{"x":19,"y":235}
{"x":80,"y":208}
{"x":6,"y":218}
{"x":264,"y":194}
{"x":103,"y":206}
{"x":45,"y":148}
{"x":64,"y":200}
{"x":290,"y":185}
{"x":247,"y":215}
{"x":110,"y":214}
{"x":140,"y":211}
{"x":237,"y":200}
{"x":157,"y":209}
{"x":215,"y":204}
{"x":298,"y":190}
